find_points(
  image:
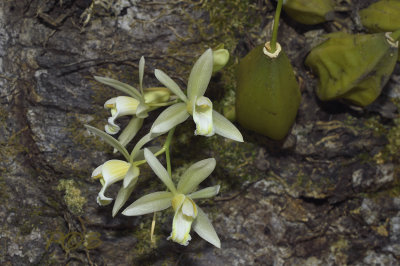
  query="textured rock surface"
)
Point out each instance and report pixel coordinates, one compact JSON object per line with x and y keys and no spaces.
{"x":327,"y":195}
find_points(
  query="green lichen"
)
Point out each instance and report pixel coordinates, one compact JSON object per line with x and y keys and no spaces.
{"x":72,"y":196}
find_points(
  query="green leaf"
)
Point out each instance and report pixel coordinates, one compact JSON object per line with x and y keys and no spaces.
{"x":118,"y":85}
{"x":110,"y":140}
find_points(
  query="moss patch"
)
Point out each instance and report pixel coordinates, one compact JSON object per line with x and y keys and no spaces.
{"x":72,"y":196}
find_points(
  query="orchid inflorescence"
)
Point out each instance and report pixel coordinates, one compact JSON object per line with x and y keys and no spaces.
{"x":137,"y":103}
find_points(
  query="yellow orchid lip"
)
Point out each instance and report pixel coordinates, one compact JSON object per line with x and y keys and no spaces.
{"x":203,"y":116}
{"x":185,"y":214}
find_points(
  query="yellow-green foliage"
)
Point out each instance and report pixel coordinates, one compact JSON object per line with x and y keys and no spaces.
{"x":393,"y":148}
{"x":72,"y":196}
{"x":230,"y":20}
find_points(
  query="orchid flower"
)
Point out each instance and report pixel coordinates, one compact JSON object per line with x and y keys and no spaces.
{"x":137,"y":104}
{"x":187,"y":213}
{"x":113,"y":171}
{"x":195,"y":104}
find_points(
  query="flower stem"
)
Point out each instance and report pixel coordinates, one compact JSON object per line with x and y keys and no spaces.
{"x":167,"y":155}
{"x":153,"y":225}
{"x":162,"y":150}
{"x":395,"y":35}
{"x":276,"y":25}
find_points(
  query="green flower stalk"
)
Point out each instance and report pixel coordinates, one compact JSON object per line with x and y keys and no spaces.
{"x":195,"y":104}
{"x":187,"y":213}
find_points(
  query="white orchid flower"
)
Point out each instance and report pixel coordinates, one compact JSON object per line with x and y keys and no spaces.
{"x":208,"y":122}
{"x":187,"y":213}
{"x":113,"y":171}
{"x":109,"y":173}
{"x":138,"y":103}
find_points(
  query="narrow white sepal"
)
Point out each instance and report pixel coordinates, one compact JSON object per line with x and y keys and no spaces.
{"x":159,"y":170}
{"x":131,"y":175}
{"x":225,"y":128}
{"x":123,"y":196}
{"x":203,"y":227}
{"x":130,"y":131}
{"x":169,"y":118}
{"x":141,"y":73}
{"x":142,"y":110}
{"x":200,"y":75}
{"x":170,"y":84}
{"x":195,"y":174}
{"x":153,"y":202}
{"x":205,"y":193}
{"x":118,"y":85}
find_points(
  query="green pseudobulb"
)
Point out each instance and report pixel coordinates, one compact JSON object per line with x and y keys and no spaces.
{"x":352,"y":67}
{"x":268,"y":94}
{"x":381,"y":16}
{"x":309,"y":12}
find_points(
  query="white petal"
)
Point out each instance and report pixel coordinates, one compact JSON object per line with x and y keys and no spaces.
{"x":126,"y":105}
{"x":200,"y":75}
{"x":153,"y":202}
{"x":141,"y":73}
{"x":225,"y":128}
{"x":123,"y":196}
{"x":119,"y":86}
{"x":101,"y":198}
{"x":130,"y":131}
{"x":170,"y":84}
{"x":112,"y":129}
{"x":181,"y":226}
{"x":114,"y":171}
{"x":202,"y":116}
{"x":131,"y":175}
{"x":159,"y":170}
{"x":195,"y":174}
{"x":145,"y":139}
{"x":142,"y":110}
{"x":170,"y":117}
{"x":203,"y":227}
{"x":205,"y":193}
